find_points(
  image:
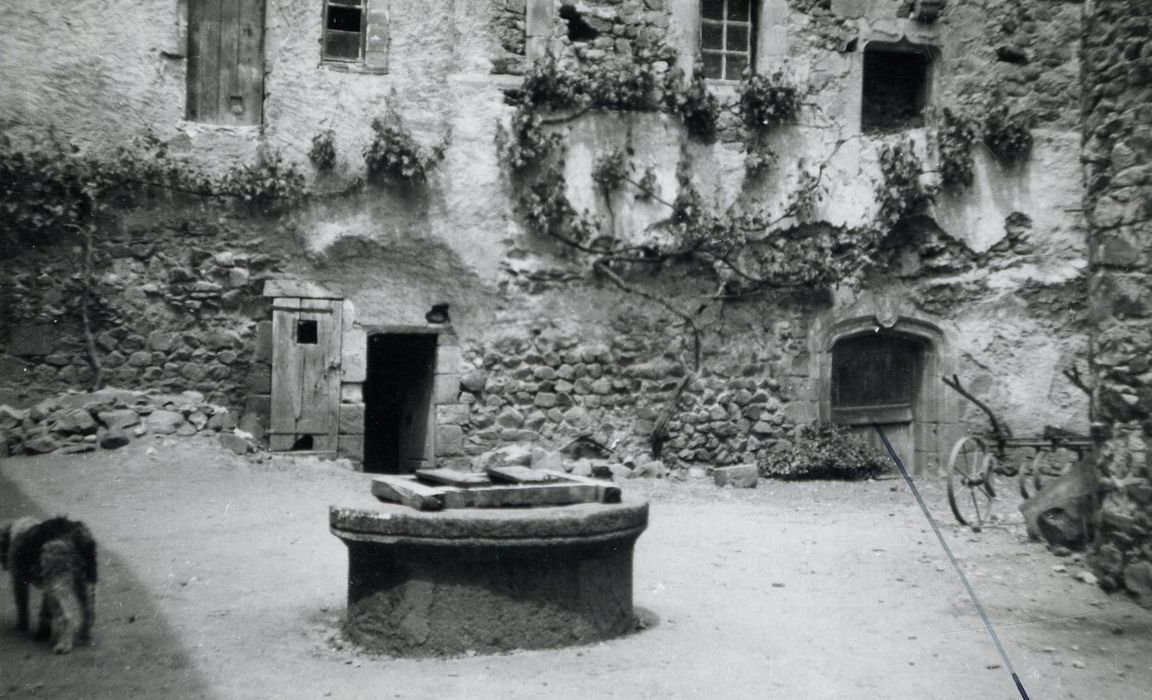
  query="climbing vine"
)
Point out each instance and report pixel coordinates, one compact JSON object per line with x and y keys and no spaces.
{"x":695,"y":104}
{"x":954,"y":136}
{"x":1007,"y":134}
{"x":901,"y":191}
{"x":395,"y":153}
{"x":766,"y":101}
{"x":56,"y":188}
{"x":322,"y":155}
{"x":763,"y":102}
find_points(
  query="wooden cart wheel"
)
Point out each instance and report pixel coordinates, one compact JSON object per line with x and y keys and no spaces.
{"x":1031,"y":477}
{"x":970,"y":490}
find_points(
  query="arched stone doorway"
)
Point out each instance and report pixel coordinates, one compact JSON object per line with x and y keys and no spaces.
{"x":887,"y":372}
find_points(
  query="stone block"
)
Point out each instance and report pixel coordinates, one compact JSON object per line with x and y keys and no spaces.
{"x":161,"y":341}
{"x":165,"y":422}
{"x":351,"y":446}
{"x":76,"y":422}
{"x":741,"y":476}
{"x":263,"y":342}
{"x":452,"y":414}
{"x":354,"y":355}
{"x":114,"y":438}
{"x":352,"y":392}
{"x":236,"y":443}
{"x":259,"y":380}
{"x":41,"y":444}
{"x":351,"y":418}
{"x":474,"y":380}
{"x":446,"y":388}
{"x":222,"y":421}
{"x":119,"y":418}
{"x":449,"y":440}
{"x":447,"y":359}
{"x":31,"y":340}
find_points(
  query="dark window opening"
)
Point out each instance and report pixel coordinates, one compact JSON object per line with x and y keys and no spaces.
{"x":343,"y":30}
{"x":578,"y":30}
{"x":874,"y":379}
{"x":303,"y":442}
{"x":896,"y":88}
{"x":306,"y":332}
{"x":727,"y":38}
{"x":398,"y":401}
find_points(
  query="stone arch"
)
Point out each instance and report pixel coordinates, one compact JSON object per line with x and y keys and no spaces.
{"x":931,"y":426}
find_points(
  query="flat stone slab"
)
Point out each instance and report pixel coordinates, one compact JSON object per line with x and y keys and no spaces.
{"x":487,"y":580}
{"x":741,"y":476}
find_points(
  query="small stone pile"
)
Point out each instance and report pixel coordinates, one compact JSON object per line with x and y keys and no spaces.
{"x":108,"y":418}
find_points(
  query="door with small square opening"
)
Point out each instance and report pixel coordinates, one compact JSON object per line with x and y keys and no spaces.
{"x":305,"y":374}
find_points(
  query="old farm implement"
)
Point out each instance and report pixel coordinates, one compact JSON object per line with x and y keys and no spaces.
{"x":976,"y":458}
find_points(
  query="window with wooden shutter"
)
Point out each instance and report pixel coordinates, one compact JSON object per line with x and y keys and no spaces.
{"x":727,"y":29}
{"x":226,"y":61}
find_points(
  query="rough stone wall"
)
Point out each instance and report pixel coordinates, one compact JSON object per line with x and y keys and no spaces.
{"x":549,"y":382}
{"x":177,"y":306}
{"x":1118,"y":201}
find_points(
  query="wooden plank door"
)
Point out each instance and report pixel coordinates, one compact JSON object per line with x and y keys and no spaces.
{"x":874,"y":382}
{"x":305,"y":373}
{"x":226,"y":61}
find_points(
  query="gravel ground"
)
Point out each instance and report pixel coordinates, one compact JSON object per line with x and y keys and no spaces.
{"x":220,"y":580}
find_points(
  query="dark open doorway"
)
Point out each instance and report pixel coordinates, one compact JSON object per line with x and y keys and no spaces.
{"x":398,"y":401}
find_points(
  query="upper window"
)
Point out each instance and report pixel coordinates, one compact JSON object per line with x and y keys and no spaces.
{"x":897,"y":86}
{"x":726,"y":37}
{"x":344,"y":24}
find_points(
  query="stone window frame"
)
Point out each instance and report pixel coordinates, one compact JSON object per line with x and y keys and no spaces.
{"x":375,"y":37}
{"x":751,"y":25}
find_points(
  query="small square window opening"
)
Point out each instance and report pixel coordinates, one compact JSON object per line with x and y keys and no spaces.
{"x":344,"y":30}
{"x":727,"y":37}
{"x":896,"y":88}
{"x":306,"y":333}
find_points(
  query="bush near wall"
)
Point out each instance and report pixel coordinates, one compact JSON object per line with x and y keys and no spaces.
{"x":823,"y":451}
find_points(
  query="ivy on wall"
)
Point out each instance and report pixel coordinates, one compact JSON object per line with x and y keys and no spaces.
{"x":1007,"y":135}
{"x":394,"y":153}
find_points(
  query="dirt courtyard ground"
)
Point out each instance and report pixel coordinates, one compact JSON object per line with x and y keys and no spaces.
{"x":220,"y":580}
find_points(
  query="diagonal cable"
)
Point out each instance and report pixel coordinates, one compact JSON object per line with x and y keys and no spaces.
{"x":955,"y":564}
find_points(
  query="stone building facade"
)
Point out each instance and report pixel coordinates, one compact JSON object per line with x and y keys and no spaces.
{"x":988,"y":283}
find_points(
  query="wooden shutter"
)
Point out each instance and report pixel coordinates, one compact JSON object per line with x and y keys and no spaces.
{"x":226,"y":61}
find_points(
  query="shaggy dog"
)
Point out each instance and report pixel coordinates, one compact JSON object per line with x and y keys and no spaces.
{"x":59,"y":555}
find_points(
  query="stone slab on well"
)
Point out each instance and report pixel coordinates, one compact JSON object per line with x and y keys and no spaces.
{"x":741,"y":476}
{"x":487,"y":580}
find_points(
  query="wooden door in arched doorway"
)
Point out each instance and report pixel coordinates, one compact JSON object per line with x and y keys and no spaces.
{"x":875,"y":379}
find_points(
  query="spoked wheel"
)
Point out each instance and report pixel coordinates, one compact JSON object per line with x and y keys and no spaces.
{"x":1031,"y":479}
{"x":970,"y":490}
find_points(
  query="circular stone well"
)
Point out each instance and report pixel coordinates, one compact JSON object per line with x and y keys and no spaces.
{"x":488,"y":579}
